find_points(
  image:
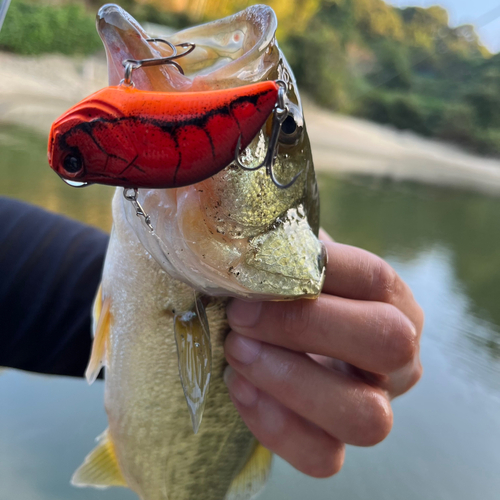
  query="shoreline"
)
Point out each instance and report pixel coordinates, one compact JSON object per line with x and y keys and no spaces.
{"x":348,"y":145}
{"x":36,"y":90}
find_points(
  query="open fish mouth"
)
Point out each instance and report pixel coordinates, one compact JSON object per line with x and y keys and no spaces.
{"x":236,"y":233}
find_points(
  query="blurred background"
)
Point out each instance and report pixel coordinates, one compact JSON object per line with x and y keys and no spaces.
{"x":402,"y":104}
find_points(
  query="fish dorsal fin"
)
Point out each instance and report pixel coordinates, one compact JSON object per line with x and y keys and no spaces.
{"x":102,"y":323}
{"x":194,"y":353}
{"x":252,"y":478}
{"x":100,"y":467}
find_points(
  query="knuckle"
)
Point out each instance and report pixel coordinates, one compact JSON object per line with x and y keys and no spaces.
{"x":386,"y":284}
{"x":374,"y":419}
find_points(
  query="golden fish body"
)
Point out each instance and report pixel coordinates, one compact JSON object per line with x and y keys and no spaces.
{"x":235,"y":234}
{"x":157,"y":451}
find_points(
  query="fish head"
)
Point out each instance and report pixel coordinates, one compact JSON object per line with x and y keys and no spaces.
{"x":237,"y":233}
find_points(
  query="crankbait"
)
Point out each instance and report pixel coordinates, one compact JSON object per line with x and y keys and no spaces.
{"x":122,"y":136}
{"x":126,"y":137}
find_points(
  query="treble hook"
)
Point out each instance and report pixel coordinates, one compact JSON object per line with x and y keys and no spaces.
{"x":132,"y":64}
{"x":280,"y":113}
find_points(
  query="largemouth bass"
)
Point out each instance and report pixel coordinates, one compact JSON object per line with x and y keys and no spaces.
{"x":160,"y":311}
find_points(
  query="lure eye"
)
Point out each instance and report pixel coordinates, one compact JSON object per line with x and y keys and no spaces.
{"x":73,"y":163}
{"x":289,"y":126}
{"x":292,"y":126}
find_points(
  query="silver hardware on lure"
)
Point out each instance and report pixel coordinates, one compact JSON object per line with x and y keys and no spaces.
{"x":130,"y":194}
{"x":75,"y":184}
{"x":131,"y":64}
{"x":280,"y":113}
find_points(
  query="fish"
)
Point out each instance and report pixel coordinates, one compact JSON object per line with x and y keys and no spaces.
{"x":159,"y":316}
{"x":123,"y":136}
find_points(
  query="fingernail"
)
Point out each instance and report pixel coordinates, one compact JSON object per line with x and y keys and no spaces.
{"x":242,"y":349}
{"x":240,"y":388}
{"x":243,"y":314}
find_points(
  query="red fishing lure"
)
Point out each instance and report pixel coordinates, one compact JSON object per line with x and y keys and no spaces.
{"x":126,"y":137}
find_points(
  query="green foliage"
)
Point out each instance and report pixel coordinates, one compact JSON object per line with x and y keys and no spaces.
{"x":486,"y":106}
{"x":404,"y":111}
{"x":393,"y":69}
{"x":323,"y":72}
{"x":148,"y":12}
{"x":403,"y":67}
{"x":33,"y":28}
{"x":399,"y":111}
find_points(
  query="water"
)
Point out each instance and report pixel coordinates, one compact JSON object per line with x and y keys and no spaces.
{"x":446,"y":438}
{"x":25,"y":174}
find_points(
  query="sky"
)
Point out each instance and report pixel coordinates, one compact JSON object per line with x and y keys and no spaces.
{"x":484,"y":14}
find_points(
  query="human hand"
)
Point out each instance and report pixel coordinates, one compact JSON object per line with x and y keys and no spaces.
{"x":309,"y":376}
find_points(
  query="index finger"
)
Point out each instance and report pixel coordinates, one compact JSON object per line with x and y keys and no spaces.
{"x":357,"y":274}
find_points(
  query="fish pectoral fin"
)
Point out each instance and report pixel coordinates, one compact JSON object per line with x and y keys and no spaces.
{"x":194,"y":353}
{"x":102,"y":323}
{"x":100,"y":468}
{"x":252,"y":478}
{"x":97,"y":308}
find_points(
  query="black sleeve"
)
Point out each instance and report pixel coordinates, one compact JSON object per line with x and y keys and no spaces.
{"x":50,"y":269}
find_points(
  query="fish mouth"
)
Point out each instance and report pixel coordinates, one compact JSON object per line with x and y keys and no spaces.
{"x":236,"y":233}
{"x":228,"y":51}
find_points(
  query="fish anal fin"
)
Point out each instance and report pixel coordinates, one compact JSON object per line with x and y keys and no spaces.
{"x":101,"y":335}
{"x":253,"y":476}
{"x":100,"y":468}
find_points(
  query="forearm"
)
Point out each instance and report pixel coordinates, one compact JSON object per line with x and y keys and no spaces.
{"x":50,"y":268}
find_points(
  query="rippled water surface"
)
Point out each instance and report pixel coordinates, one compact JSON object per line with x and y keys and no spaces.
{"x":446,"y":438}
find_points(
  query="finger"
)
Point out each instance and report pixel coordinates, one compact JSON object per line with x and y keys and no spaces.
{"x":348,"y":409}
{"x":324,"y":236}
{"x":373,"y":336}
{"x":394,"y":385}
{"x":354,"y":273}
{"x":402,"y":380}
{"x":302,"y":444}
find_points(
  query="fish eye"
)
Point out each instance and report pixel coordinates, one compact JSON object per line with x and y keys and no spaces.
{"x":292,"y":126}
{"x":73,"y":163}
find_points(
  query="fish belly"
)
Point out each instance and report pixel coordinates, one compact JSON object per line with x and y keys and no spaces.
{"x":149,"y":423}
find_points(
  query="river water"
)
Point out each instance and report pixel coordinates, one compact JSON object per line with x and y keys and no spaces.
{"x":446,"y":439}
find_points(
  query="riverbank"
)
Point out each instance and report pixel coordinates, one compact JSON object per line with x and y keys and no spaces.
{"x":35,"y":90}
